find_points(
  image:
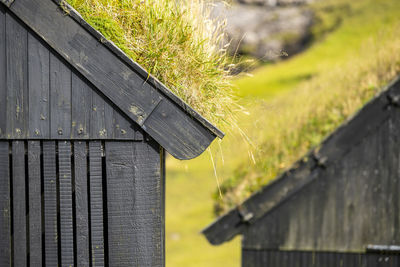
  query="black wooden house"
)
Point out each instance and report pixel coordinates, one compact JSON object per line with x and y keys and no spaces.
{"x":83,"y":135}
{"x":339,"y":206}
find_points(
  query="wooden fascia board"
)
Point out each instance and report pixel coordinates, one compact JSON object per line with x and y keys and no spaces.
{"x":165,"y":117}
{"x":307,"y":169}
{"x":141,"y":71}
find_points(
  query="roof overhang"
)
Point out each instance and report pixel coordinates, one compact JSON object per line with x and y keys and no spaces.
{"x":142,"y":98}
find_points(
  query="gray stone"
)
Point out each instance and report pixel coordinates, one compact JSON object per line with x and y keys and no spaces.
{"x":265,"y":32}
{"x":275,"y":2}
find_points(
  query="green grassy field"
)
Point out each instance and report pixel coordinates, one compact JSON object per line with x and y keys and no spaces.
{"x":347,"y":66}
{"x":360,"y":20}
{"x":188,"y":210}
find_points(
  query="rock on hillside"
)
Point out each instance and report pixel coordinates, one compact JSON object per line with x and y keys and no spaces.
{"x":266,"y":29}
{"x":275,"y":2}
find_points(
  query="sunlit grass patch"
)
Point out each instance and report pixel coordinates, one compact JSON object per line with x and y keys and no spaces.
{"x":314,"y":93}
{"x":177,"y":42}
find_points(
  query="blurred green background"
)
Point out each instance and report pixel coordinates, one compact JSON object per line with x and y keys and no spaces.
{"x":343,"y":67}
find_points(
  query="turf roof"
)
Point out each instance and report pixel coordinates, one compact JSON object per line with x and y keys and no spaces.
{"x":178,"y":44}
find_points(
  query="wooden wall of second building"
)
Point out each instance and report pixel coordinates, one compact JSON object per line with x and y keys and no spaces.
{"x":279,"y":258}
{"x":354,"y":201}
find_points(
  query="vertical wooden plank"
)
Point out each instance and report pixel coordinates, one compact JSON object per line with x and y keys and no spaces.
{"x":66,"y":220}
{"x":162,"y":211}
{"x":124,"y":129}
{"x":320,"y":259}
{"x":101,"y":119}
{"x":5,"y":220}
{"x":356,"y":260}
{"x":360,"y":260}
{"x":17,"y":89}
{"x":50,"y":203}
{"x":278,"y":258}
{"x":19,"y":203}
{"x":290,"y":255}
{"x":96,"y":203}
{"x":270,"y":258}
{"x":149,"y":202}
{"x":81,"y":203}
{"x":38,"y":69}
{"x":3,"y":68}
{"x":396,"y":261}
{"x":393,"y":183}
{"x":294,"y":259}
{"x":134,"y":204}
{"x":122,"y":224}
{"x":306,"y":258}
{"x":243,"y":258}
{"x":109,"y":120}
{"x":265,"y":257}
{"x":81,"y":108}
{"x":333,"y":259}
{"x":364,"y":260}
{"x":60,"y":99}
{"x":249,"y":259}
{"x":260,"y":258}
{"x":285,"y":259}
{"x":35,"y":204}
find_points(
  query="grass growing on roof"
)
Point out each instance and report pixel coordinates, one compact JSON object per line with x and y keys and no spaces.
{"x":310,"y":95}
{"x":176,"y":42}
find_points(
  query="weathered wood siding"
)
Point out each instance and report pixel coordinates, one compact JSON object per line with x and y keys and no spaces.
{"x":78,"y":50}
{"x":354,"y":201}
{"x":274,"y":258}
{"x":134,"y":204}
{"x":43,"y":97}
{"x":95,"y":203}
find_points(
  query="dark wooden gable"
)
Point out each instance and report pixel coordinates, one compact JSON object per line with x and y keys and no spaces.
{"x":48,"y":38}
{"x":343,"y":196}
{"x":352,"y":203}
{"x":45,"y":98}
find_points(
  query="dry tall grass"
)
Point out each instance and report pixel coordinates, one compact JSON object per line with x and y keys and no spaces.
{"x":294,"y":122}
{"x":177,"y":42}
